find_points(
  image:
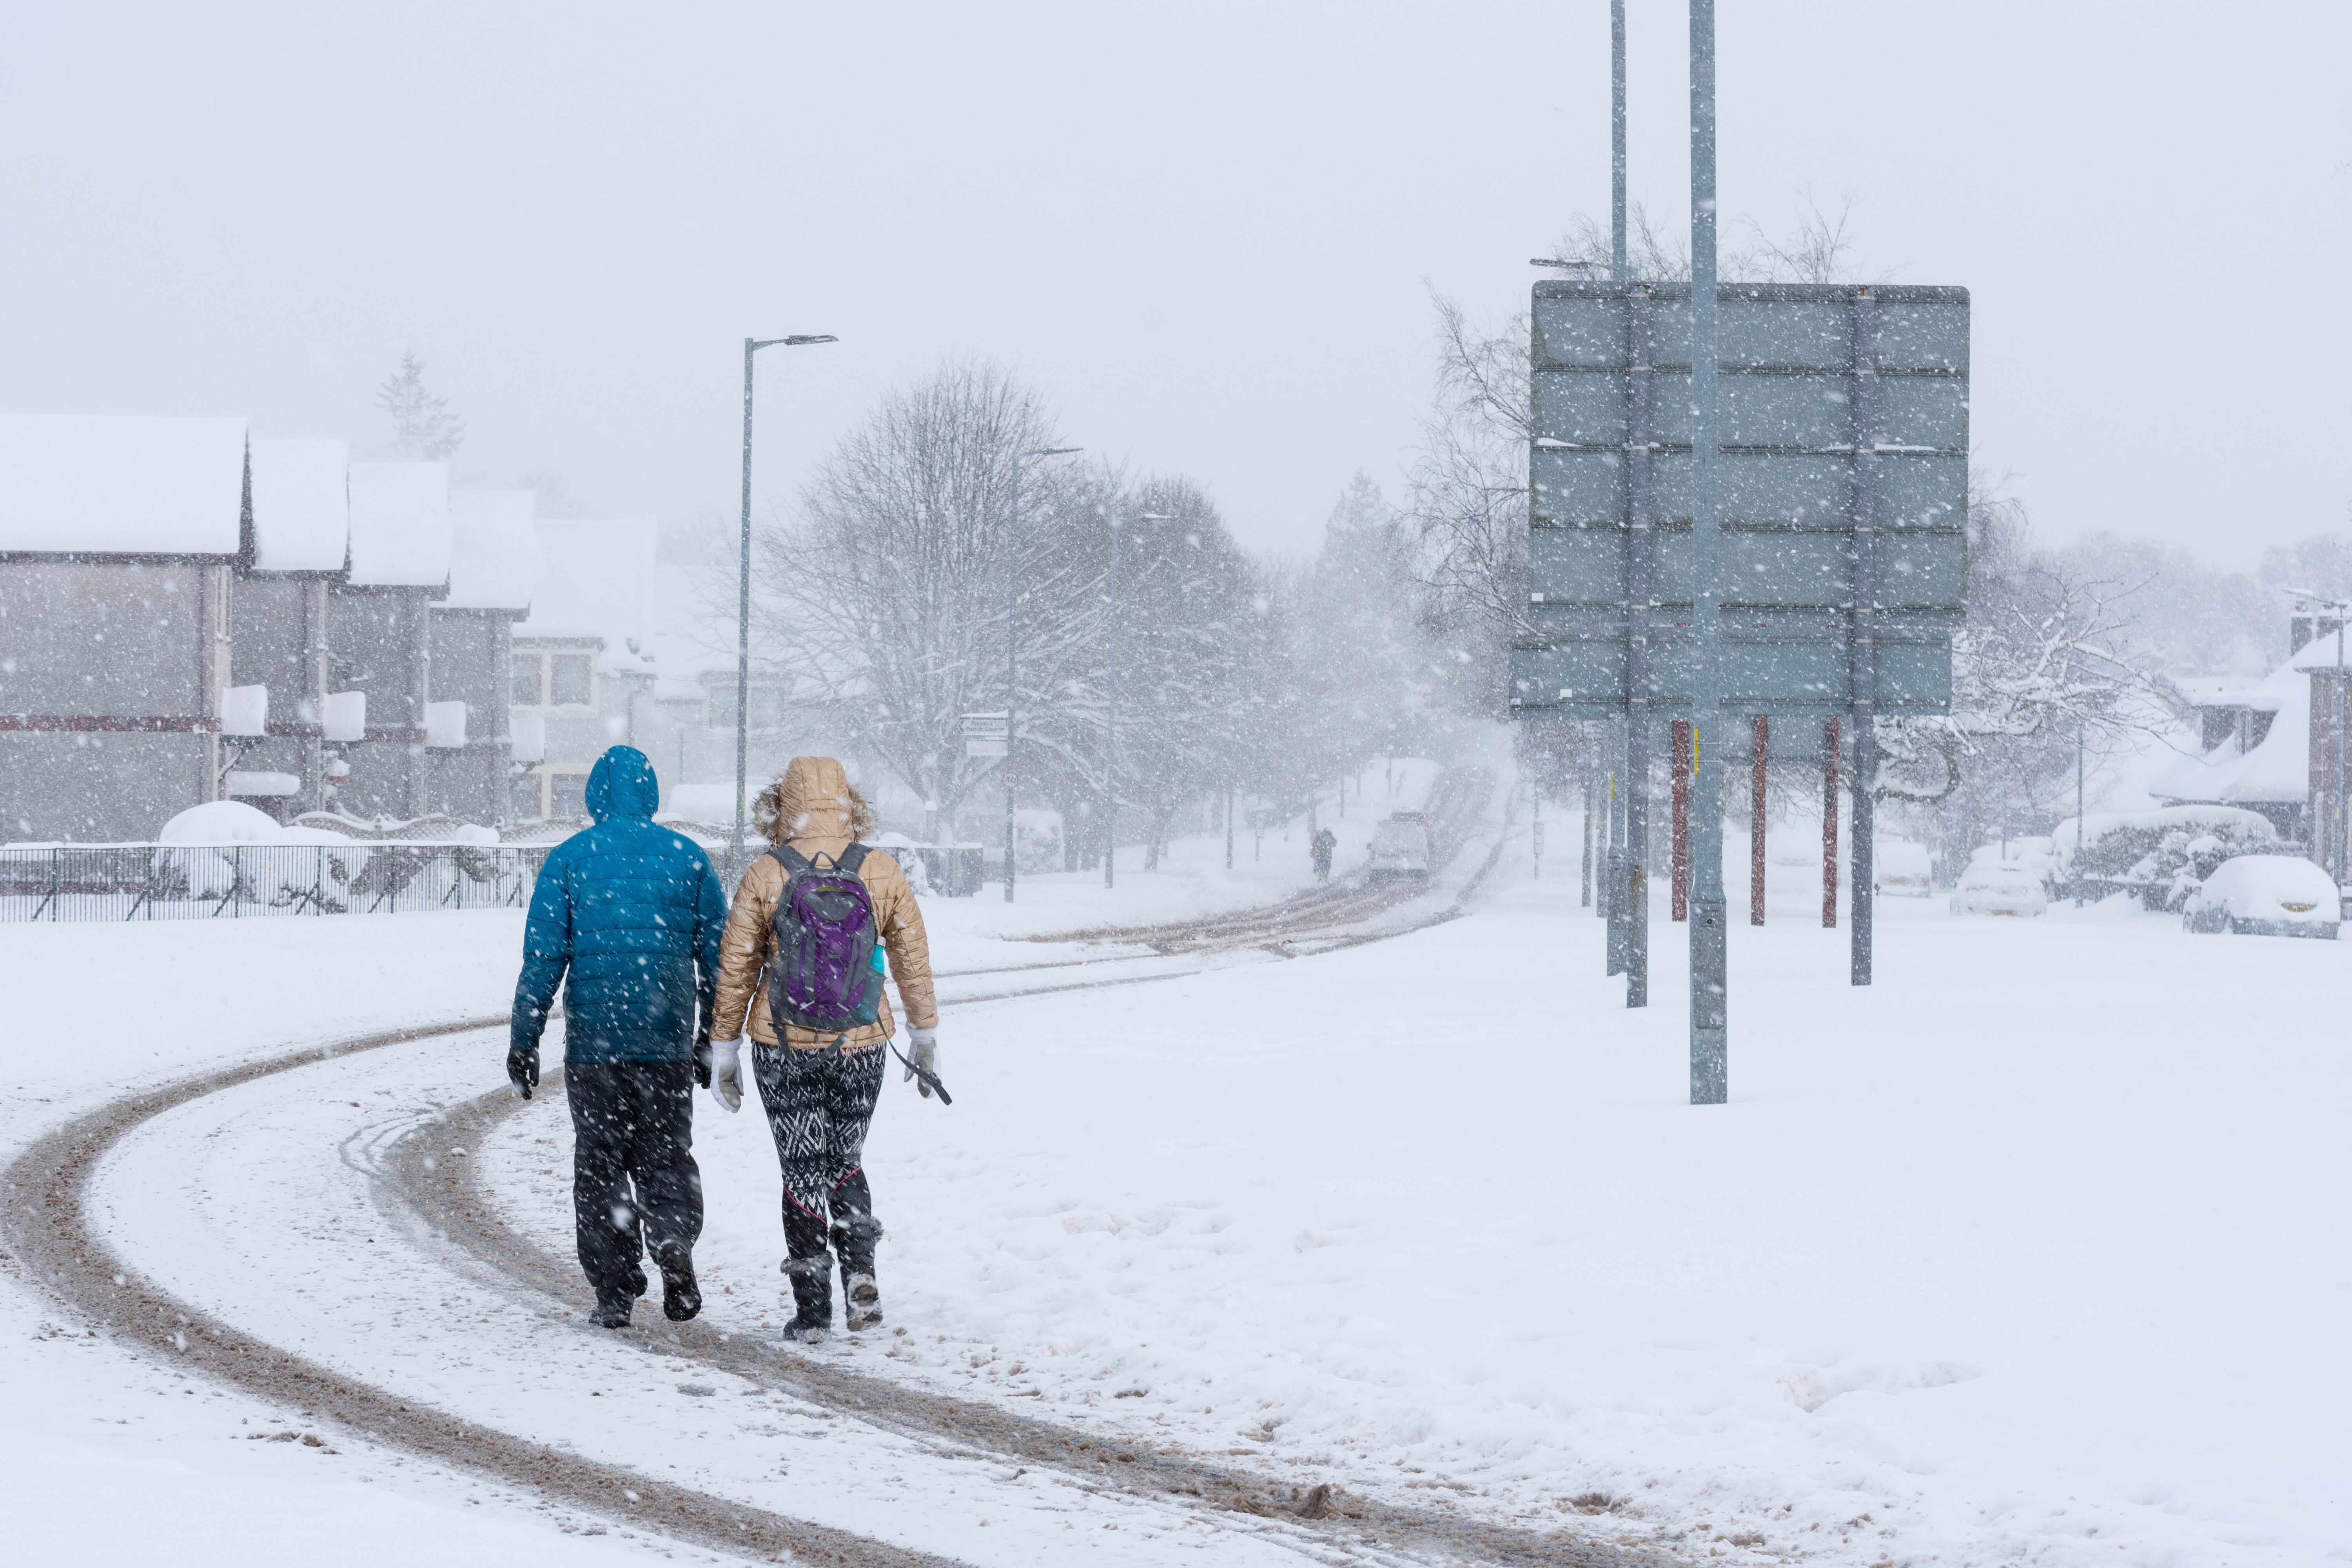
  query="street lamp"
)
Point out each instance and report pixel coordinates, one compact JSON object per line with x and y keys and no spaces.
{"x":743,"y":593}
{"x":1110,"y":717}
{"x":1013,"y":644}
{"x":2336,"y":837}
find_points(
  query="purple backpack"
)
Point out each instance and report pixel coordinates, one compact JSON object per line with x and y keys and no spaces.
{"x":827,"y":971}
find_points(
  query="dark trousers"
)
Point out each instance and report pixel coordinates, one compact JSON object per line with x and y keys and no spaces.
{"x":634,"y":1181}
{"x":819,"y":1104}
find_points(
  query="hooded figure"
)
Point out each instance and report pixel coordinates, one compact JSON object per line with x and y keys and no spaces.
{"x":626,"y":918}
{"x":820,"y":1084}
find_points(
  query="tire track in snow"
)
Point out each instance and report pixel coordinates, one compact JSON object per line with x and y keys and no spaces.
{"x":47,"y":1228}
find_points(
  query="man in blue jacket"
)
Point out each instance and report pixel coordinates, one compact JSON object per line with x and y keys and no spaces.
{"x":626,"y":916}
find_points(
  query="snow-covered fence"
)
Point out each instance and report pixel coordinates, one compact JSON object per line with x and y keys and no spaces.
{"x":205,"y":881}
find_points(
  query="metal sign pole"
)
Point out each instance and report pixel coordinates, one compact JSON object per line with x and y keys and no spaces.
{"x":1755,"y":813}
{"x":1618,"y":272}
{"x":1864,"y":628}
{"x":1709,"y":993}
{"x":1640,"y":544}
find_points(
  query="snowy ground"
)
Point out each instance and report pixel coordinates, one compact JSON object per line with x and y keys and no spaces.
{"x":2033,"y":1252}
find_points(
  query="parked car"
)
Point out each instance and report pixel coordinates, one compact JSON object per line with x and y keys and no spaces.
{"x":1902,"y":869}
{"x":1401,"y":847}
{"x":2265,"y":895}
{"x":1999,"y":888}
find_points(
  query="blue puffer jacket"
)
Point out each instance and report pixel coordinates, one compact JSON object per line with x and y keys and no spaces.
{"x":635,"y":913}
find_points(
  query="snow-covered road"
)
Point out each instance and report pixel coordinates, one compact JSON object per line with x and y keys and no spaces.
{"x":2033,"y":1252}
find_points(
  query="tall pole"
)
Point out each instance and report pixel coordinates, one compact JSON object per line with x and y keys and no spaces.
{"x":2339,"y":716}
{"x":743,"y":596}
{"x":1617,"y":268}
{"x":1709,"y":995}
{"x":1011,"y":668}
{"x":1110,"y":724}
{"x":743,"y":632}
{"x":2075,"y":857}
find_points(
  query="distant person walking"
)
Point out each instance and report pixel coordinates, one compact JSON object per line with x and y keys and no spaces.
{"x":1325,"y":843}
{"x":803,"y":965}
{"x":627,"y":918}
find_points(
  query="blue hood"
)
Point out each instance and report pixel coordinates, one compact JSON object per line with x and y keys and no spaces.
{"x":622,"y":783}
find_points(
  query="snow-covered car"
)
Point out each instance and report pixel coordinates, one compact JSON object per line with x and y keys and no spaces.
{"x":1902,"y":868}
{"x":1999,"y":888}
{"x":2265,"y":895}
{"x":1401,"y":847}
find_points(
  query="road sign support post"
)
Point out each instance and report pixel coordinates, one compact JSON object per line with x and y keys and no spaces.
{"x":1641,"y":544}
{"x":1584,"y":872}
{"x":1680,"y":789}
{"x":1756,"y":809}
{"x":1830,"y":825}
{"x":1864,"y":642}
{"x":1709,"y":985}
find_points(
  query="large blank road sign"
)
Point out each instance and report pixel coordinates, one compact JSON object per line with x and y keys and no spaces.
{"x":1843,"y":557}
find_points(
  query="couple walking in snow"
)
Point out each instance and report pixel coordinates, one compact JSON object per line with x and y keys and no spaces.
{"x":662,"y":980}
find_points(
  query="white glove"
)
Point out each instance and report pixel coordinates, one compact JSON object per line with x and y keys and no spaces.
{"x":926,"y":1055}
{"x":727,"y":1073}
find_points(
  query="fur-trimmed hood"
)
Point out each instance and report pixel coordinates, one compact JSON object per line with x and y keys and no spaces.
{"x":813,"y":799}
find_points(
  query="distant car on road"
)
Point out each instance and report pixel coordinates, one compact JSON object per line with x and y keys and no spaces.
{"x":2265,"y":895}
{"x":1401,"y":847}
{"x":1999,"y":888}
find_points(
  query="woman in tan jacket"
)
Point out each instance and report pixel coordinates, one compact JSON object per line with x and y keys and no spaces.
{"x":819,"y":1085}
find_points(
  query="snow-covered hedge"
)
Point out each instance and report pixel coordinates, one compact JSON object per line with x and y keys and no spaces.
{"x":2161,"y":854}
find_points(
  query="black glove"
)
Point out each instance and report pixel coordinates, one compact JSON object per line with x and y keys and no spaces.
{"x":703,"y":1061}
{"x":522,"y":1068}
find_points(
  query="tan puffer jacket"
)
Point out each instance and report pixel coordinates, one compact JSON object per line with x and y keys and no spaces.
{"x":812,"y":809}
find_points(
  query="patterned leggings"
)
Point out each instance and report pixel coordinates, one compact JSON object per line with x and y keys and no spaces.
{"x":819,"y":1104}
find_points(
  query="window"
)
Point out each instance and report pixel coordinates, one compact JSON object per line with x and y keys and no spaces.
{"x":571,"y":684}
{"x":527,"y":689}
{"x":567,"y":796}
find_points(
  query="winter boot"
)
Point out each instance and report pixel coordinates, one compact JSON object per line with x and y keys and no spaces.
{"x":862,"y":1300}
{"x":811,"y":1280}
{"x":637,"y":1285}
{"x":681,"y":1297}
{"x":613,"y":1308}
{"x":854,"y":1236}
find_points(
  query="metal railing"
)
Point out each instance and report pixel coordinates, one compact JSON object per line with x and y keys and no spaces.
{"x":234,"y":881}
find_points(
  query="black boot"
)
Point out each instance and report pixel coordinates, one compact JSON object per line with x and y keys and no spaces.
{"x":613,"y":1308}
{"x":681,"y":1297}
{"x":811,"y":1280}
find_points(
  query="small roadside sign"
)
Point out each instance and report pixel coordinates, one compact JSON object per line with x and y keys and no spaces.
{"x":986,"y":734}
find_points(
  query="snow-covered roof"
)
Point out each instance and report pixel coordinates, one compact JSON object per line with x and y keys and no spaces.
{"x":2225,"y":691}
{"x":116,"y":484}
{"x":596,"y":580}
{"x":494,"y":556}
{"x":400,"y":525}
{"x":301,"y":505}
{"x":2276,"y":771}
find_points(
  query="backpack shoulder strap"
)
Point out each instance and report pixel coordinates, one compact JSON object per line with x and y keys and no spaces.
{"x":852,"y":859}
{"x":791,"y":860}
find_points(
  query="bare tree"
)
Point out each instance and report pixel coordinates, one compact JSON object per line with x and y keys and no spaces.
{"x":2039,"y":669}
{"x":886,"y":598}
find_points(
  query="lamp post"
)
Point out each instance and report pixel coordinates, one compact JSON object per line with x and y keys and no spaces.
{"x":2337,"y":838}
{"x":1013,"y":644}
{"x":743,"y":595}
{"x":1110,"y":712}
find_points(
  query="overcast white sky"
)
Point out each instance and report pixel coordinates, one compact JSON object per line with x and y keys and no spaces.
{"x":1204,"y":228}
